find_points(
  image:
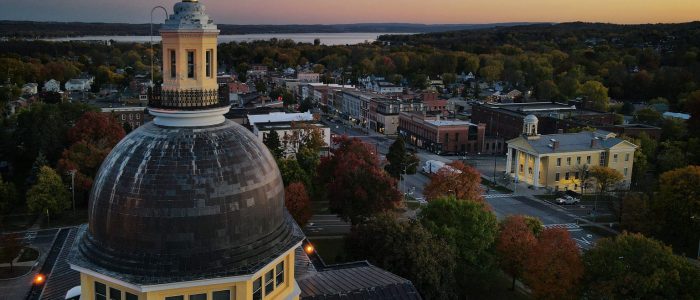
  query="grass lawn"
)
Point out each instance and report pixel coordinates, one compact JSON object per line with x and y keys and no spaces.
{"x":29,"y":254}
{"x":5,"y":272}
{"x":68,"y":218}
{"x":496,"y":187}
{"x":332,"y":250}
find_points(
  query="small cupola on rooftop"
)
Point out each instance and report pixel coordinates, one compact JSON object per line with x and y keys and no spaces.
{"x":530,"y":127}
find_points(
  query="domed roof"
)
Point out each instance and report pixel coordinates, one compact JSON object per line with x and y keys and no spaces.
{"x":187,"y":202}
{"x":189,"y":15}
{"x":531,"y":119}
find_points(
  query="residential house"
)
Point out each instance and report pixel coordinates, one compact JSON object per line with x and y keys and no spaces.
{"x":52,"y":85}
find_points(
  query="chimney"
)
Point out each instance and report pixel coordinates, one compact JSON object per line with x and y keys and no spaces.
{"x":554,"y":144}
{"x":594,"y":143}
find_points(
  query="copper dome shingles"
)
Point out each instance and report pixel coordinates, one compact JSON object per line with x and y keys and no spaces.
{"x":152,"y":216}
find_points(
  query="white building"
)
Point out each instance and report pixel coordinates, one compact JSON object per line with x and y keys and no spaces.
{"x":384,"y":87}
{"x":307,"y":77}
{"x":79,"y":85}
{"x":30,"y":89}
{"x":280,"y":117}
{"x":52,"y":85}
{"x":289,"y":127}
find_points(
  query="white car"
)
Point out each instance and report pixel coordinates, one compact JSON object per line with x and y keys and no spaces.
{"x":567,"y":200}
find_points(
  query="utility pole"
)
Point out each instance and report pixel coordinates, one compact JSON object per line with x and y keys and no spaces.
{"x":72,"y":185}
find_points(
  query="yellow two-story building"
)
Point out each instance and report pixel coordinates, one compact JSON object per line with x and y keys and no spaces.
{"x":557,"y":161}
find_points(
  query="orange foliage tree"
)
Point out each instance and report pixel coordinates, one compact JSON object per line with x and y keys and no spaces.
{"x":463,"y":185}
{"x":554,"y":267}
{"x":93,"y":136}
{"x":298,"y":203}
{"x":513,"y":245}
{"x":355,"y":184}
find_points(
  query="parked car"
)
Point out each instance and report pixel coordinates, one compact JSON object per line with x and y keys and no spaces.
{"x":567,"y":200}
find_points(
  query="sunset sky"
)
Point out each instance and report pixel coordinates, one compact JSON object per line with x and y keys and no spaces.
{"x":364,"y":11}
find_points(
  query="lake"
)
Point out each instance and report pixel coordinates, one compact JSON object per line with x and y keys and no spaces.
{"x":326,"y":38}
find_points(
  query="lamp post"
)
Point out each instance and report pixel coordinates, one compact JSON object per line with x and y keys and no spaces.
{"x":72,"y":185}
{"x":401,"y":184}
{"x":166,"y":16}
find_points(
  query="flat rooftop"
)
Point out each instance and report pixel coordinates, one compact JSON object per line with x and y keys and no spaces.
{"x":439,"y":123}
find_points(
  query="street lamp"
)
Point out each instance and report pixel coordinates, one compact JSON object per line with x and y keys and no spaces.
{"x":72,"y":185}
{"x":405,"y":167}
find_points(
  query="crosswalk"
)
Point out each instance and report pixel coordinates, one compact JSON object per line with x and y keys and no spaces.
{"x":492,"y":196}
{"x":567,"y":226}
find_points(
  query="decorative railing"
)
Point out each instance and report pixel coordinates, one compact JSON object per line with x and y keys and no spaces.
{"x":187,"y":99}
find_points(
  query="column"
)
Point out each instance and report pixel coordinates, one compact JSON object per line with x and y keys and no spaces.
{"x":536,"y":178}
{"x":509,"y":160}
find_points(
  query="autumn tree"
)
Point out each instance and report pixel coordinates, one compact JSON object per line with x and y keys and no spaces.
{"x":272,"y":141}
{"x":631,"y":266}
{"x":553,"y":267}
{"x":93,"y":136}
{"x":407,"y":249}
{"x":513,"y":244}
{"x":48,"y":193}
{"x":459,"y":180}
{"x":471,"y":228}
{"x":10,"y":246}
{"x":676,"y":208}
{"x":354,"y":183}
{"x":597,"y":94}
{"x":297,"y":201}
{"x":605,"y":178}
{"x":635,"y":216}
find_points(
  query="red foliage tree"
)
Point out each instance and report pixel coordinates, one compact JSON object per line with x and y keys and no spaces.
{"x":463,"y":185}
{"x":554,"y":267}
{"x":298,"y":203}
{"x":355,"y":183}
{"x":93,"y":136}
{"x":513,"y":245}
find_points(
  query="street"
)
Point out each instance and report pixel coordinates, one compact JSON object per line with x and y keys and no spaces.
{"x":523,"y":202}
{"x":18,"y":288}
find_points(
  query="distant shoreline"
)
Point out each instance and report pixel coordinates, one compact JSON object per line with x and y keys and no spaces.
{"x":41,"y":30}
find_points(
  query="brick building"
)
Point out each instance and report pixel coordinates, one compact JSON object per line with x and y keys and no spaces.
{"x":445,"y":136}
{"x":134,"y":116}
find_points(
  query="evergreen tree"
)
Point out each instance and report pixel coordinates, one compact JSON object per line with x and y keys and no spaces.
{"x":396,"y":158}
{"x":39,"y":162}
{"x":272,"y":141}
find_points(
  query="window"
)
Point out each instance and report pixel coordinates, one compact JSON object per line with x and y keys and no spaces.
{"x":208,"y":62}
{"x":221,"y":295}
{"x":521,"y":168}
{"x":588,"y":159}
{"x":115,"y":294}
{"x":578,"y":160}
{"x":257,"y":289}
{"x":198,"y":297}
{"x":556,"y":188}
{"x":556,"y":177}
{"x":627,"y":157}
{"x":625,"y":171}
{"x":566,"y":176}
{"x":175,"y":298}
{"x":575,"y":186}
{"x":100,"y":291}
{"x":529,"y":171}
{"x":269,"y":282}
{"x":123,"y":117}
{"x":614,"y":157}
{"x":190,"y":64}
{"x":558,"y":162}
{"x":279,"y":270}
{"x":131,"y":116}
{"x":138,"y":116}
{"x":568,"y":161}
{"x":576,"y":175}
{"x":603,"y":158}
{"x":130,"y":296}
{"x":173,"y":64}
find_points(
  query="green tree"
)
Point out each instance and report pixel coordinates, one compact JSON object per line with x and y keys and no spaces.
{"x":396,"y":158}
{"x":547,"y":90}
{"x":39,"y":162}
{"x":272,"y":141}
{"x":8,"y":195}
{"x":648,"y":116}
{"x":472,"y":229}
{"x":631,"y":266}
{"x":672,"y":155}
{"x":597,"y":94}
{"x":48,"y":194}
{"x":406,"y":249}
{"x":676,"y":207}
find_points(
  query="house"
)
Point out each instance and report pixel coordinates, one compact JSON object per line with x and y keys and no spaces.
{"x":30,"y":89}
{"x":79,"y":85}
{"x":385,"y":88}
{"x":675,"y":115}
{"x":556,"y":161}
{"x":52,"y":86}
{"x":308,"y":77}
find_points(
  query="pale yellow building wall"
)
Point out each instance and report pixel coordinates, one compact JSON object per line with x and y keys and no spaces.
{"x":240,"y":290}
{"x":199,"y":42}
{"x":550,"y":168}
